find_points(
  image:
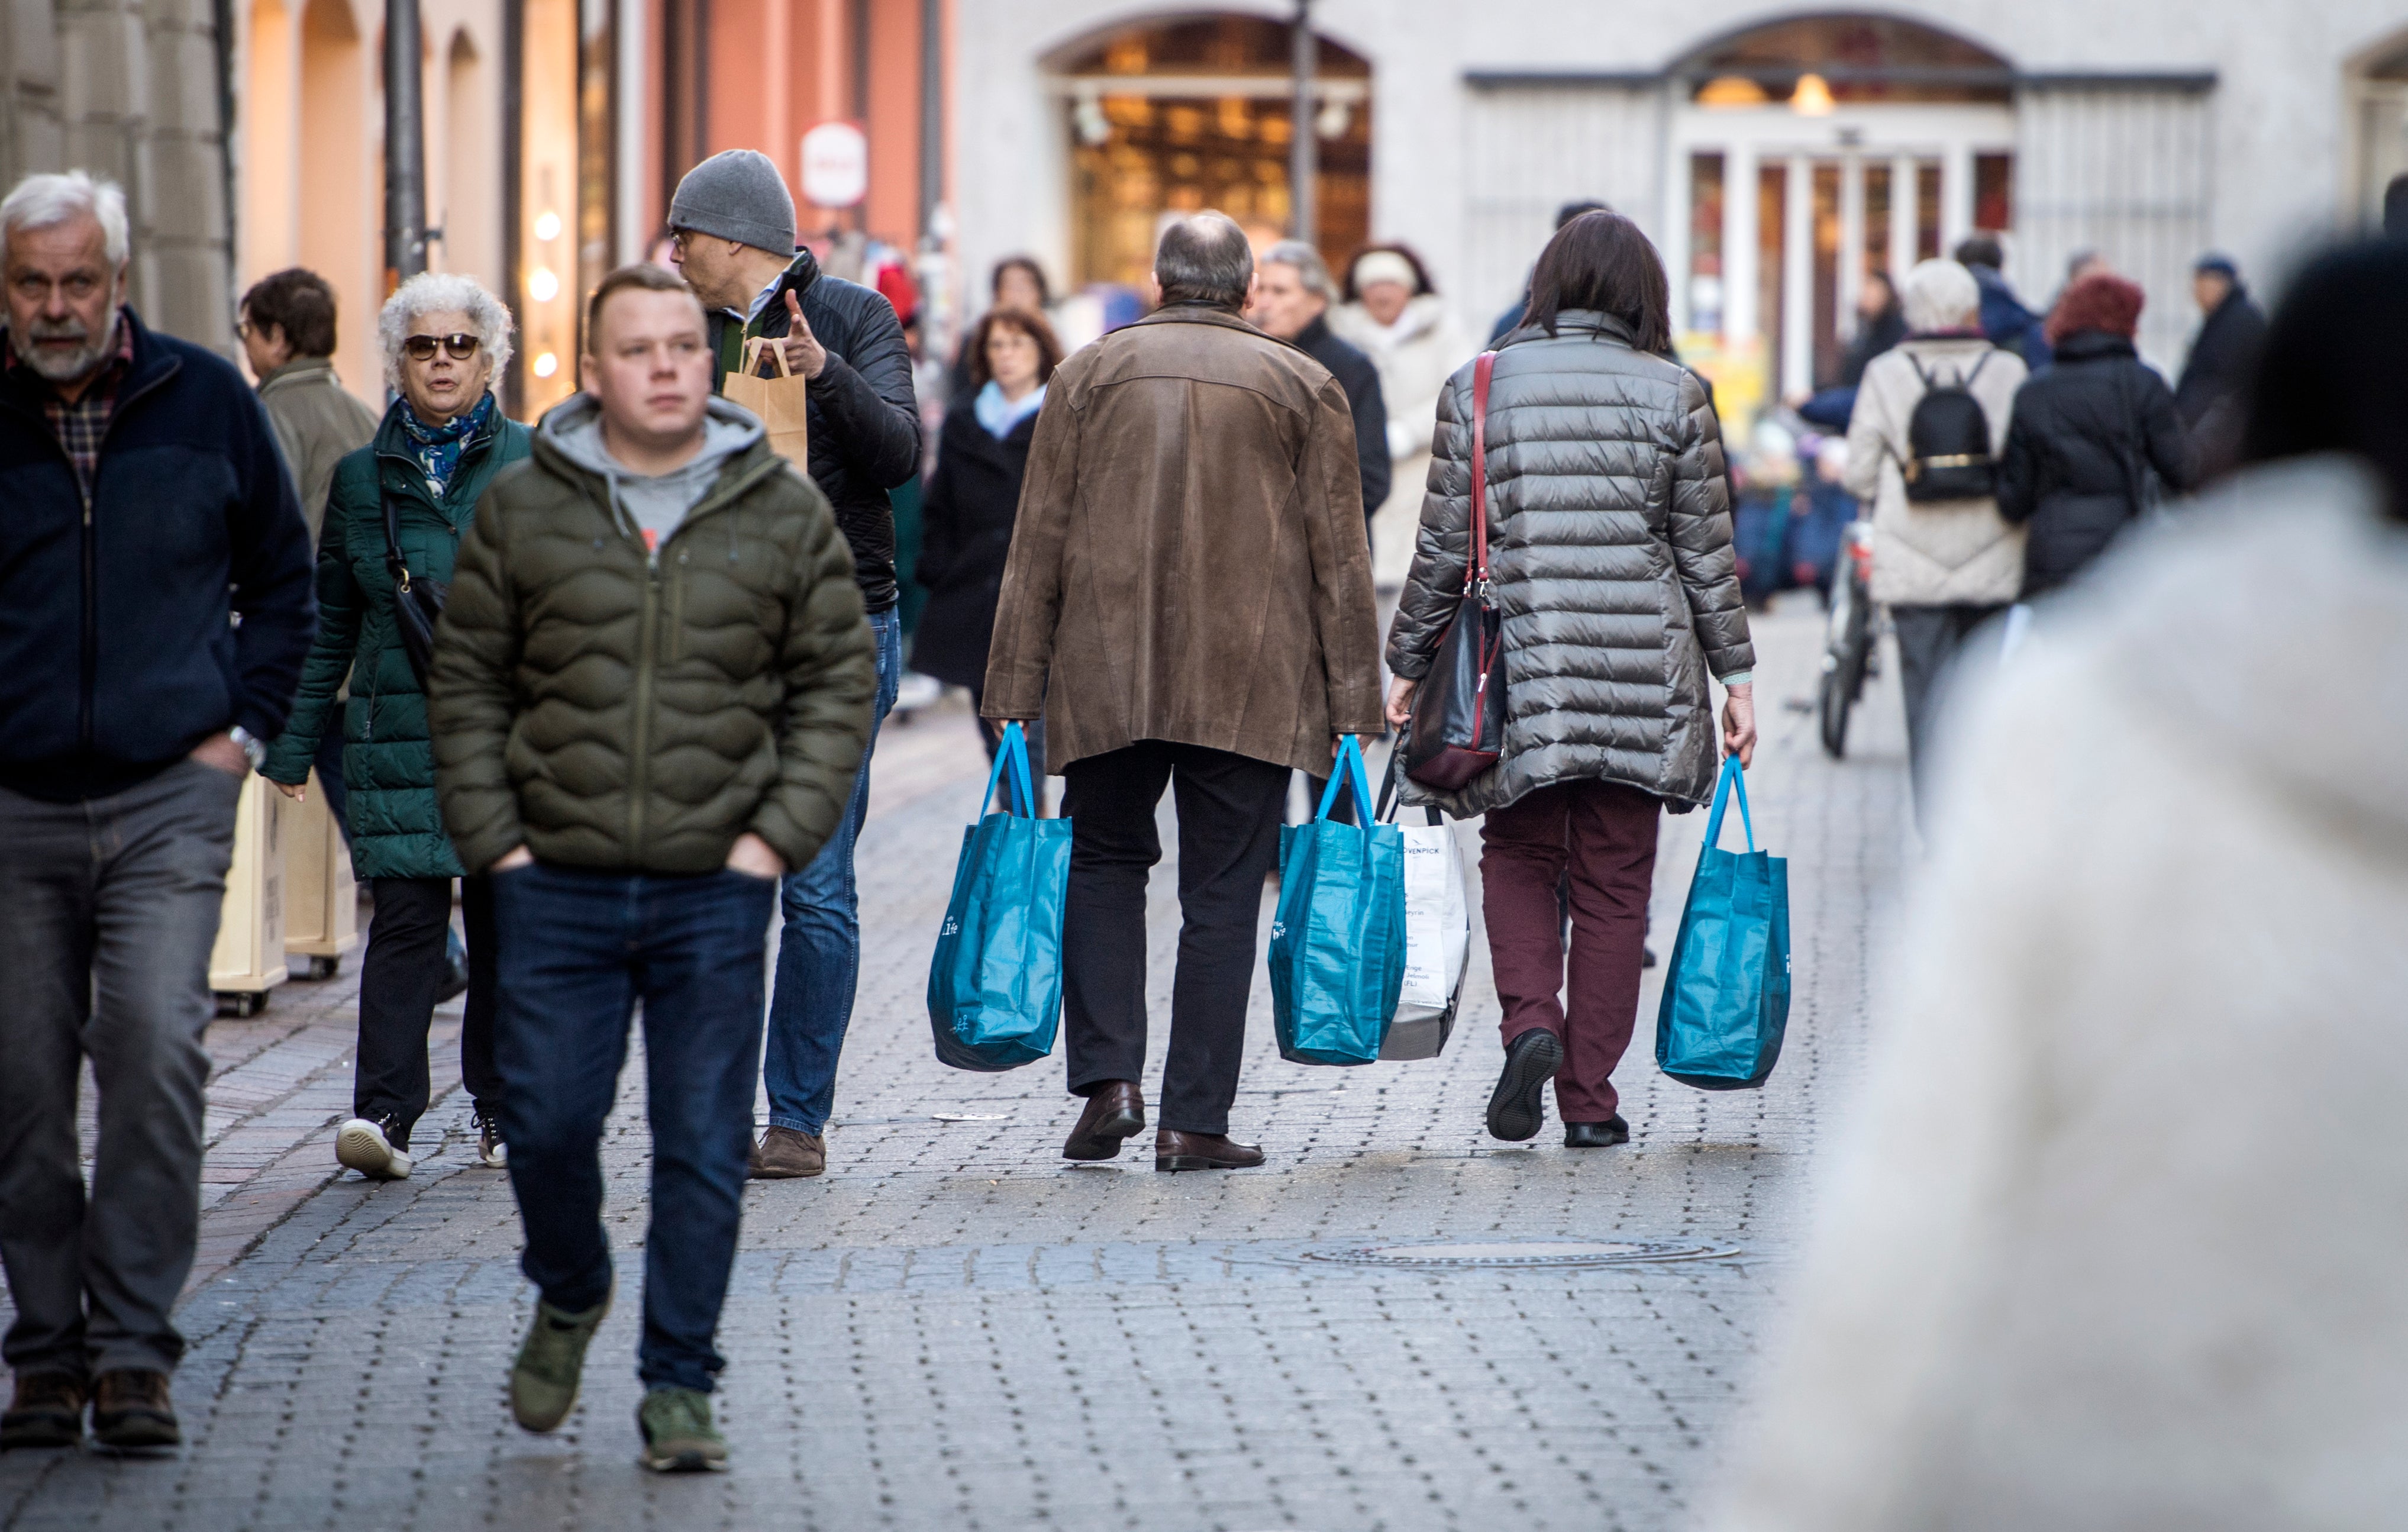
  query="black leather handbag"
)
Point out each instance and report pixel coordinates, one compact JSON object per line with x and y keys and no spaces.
{"x":417,"y":601}
{"x":1458,"y":724}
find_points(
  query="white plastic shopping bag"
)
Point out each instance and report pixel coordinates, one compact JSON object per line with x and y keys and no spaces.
{"x":1438,"y":939}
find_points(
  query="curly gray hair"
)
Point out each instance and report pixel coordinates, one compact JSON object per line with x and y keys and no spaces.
{"x":434,"y":292}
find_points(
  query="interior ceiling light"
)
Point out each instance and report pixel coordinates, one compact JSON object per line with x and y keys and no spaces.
{"x":1812,"y":97}
{"x":1731,"y":91}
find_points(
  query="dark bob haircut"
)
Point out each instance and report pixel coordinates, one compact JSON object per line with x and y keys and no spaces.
{"x":298,"y":302}
{"x":1049,"y":348}
{"x":1601,"y":262}
{"x":1021,"y":263}
{"x":2330,"y":378}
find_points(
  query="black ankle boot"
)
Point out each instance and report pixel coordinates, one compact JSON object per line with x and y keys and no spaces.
{"x":1605,"y":1134}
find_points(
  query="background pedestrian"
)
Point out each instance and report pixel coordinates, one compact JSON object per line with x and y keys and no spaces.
{"x":1607,"y":710}
{"x":2058,"y":1275}
{"x":133,"y":700}
{"x":2211,"y":392}
{"x":443,"y":337}
{"x":974,"y":499}
{"x":1208,"y":631}
{"x":2005,"y":318}
{"x":636,"y":796}
{"x":1394,"y":315}
{"x":2093,"y":441}
{"x":735,"y":226}
{"x":1941,"y":567}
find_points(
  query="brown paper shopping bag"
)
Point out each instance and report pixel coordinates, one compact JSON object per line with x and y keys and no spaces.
{"x":782,"y":401}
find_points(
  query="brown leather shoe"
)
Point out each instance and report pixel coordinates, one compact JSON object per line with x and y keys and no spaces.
{"x":131,"y":1407}
{"x":1115,"y":1112}
{"x":47,"y":1412}
{"x":784,"y":1154}
{"x":1176,"y":1150}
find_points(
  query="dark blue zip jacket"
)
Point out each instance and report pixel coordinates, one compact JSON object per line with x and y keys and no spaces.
{"x":117,"y":651}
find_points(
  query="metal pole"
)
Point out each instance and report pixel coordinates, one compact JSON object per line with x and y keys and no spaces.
{"x":405,"y":146}
{"x":1303,"y":156}
{"x":932,"y":113}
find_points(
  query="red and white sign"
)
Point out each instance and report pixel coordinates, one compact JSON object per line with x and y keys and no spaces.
{"x":836,"y":166}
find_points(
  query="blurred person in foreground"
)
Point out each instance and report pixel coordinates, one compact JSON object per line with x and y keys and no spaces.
{"x":2092,"y":440}
{"x":1942,"y":566}
{"x":288,"y":336}
{"x":1611,"y":542}
{"x":1393,"y":314}
{"x":2211,"y":392}
{"x":155,"y":607}
{"x":444,"y":337}
{"x":974,"y":500}
{"x":2112,"y":1239}
{"x":735,"y":224}
{"x":650,"y":694}
{"x":1188,"y":603}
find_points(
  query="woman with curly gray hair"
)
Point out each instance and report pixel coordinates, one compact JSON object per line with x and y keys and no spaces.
{"x":400,"y":505}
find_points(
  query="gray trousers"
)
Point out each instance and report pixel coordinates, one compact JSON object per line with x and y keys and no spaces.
{"x":1928,"y":638}
{"x":108,"y":912}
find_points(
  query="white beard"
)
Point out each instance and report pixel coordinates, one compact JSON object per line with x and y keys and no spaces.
{"x":73,"y":366}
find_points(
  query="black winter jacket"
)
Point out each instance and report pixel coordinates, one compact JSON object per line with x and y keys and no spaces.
{"x":965,"y":537}
{"x":2085,"y":437}
{"x":865,"y":419}
{"x":1360,"y":379}
{"x":118,"y":653}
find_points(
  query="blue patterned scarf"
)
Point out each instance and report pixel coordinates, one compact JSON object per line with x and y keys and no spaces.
{"x":438,"y":448}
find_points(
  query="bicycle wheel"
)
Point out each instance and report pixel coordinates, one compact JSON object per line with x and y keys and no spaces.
{"x":1831,"y":705}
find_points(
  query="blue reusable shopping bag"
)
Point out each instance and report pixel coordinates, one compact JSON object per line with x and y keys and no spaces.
{"x":1726,"y":987}
{"x":995,"y":987}
{"x":1337,"y":940}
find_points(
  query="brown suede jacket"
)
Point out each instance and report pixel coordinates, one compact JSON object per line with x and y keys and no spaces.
{"x":1189,"y":563}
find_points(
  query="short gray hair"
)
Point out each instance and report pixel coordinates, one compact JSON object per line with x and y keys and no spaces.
{"x":1204,"y":258}
{"x":433,"y":293}
{"x":1938,"y":296}
{"x":47,"y":200}
{"x":1310,"y":269}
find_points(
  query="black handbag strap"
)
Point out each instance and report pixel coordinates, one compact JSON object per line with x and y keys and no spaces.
{"x":392,"y":561}
{"x":1391,"y":782}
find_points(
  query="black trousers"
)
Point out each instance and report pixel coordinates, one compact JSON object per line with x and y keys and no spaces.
{"x":1927,"y":640}
{"x":399,"y":978}
{"x":1228,"y":837}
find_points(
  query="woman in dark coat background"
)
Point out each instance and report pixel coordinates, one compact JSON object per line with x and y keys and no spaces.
{"x":2086,"y":435}
{"x":980,"y":458}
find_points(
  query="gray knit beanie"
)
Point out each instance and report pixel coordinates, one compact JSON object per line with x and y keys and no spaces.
{"x":736,"y":195}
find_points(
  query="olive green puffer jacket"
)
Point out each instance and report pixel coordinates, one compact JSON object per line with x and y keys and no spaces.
{"x":630,"y":713}
{"x":388,"y":765}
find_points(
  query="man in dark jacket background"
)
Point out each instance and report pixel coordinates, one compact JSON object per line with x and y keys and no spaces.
{"x":1291,"y":301}
{"x":2005,"y":320}
{"x":2211,"y":393}
{"x":734,"y":223}
{"x":143,"y":507}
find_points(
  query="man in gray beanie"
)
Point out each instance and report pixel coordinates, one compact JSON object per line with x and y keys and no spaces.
{"x":733,"y":222}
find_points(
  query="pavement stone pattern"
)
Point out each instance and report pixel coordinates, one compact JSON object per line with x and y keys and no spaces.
{"x":956,"y":1328}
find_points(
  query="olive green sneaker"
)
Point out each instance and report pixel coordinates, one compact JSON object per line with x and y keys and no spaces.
{"x":543,"y":1380}
{"x":678,"y":1436}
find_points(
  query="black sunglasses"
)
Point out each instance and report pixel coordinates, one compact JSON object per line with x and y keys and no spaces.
{"x":421,"y":348}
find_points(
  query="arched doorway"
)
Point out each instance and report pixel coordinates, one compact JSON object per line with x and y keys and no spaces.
{"x":1808,"y":151}
{"x":1181,"y":115}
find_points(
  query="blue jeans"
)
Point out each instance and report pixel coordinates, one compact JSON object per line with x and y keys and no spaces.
{"x":819,"y":950}
{"x":576,"y":951}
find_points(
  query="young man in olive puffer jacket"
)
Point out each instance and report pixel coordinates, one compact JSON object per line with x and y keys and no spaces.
{"x":651,"y":692}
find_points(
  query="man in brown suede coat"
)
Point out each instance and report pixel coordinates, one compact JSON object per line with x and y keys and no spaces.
{"x":1188,"y":601}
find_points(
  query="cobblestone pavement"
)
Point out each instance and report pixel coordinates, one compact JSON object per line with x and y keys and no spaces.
{"x":955,"y":1328}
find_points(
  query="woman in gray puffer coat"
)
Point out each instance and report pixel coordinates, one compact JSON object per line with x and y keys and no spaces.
{"x":1610,"y":545}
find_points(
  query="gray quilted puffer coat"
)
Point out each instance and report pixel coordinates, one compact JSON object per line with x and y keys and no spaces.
{"x":1609,"y":543}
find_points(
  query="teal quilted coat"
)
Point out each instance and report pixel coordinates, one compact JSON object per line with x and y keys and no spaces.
{"x":388,"y":761}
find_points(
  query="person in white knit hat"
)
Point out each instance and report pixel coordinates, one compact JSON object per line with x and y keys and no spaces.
{"x":1394,"y":314}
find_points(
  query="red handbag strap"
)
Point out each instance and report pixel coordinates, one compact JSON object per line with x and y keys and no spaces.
{"x":1475,"y":573}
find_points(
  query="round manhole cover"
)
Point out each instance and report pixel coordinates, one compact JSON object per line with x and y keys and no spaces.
{"x":1523,"y":1255}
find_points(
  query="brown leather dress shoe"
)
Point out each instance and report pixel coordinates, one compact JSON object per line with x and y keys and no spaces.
{"x":46,"y":1412}
{"x":1115,"y":1112}
{"x":131,"y":1407}
{"x":1176,"y":1150}
{"x":787,"y":1154}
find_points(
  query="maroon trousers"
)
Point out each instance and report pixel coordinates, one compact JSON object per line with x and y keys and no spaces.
{"x":1602,"y":835}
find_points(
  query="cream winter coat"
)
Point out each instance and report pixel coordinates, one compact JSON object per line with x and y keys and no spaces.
{"x":1415,"y":359}
{"x":2119,"y":1235}
{"x":1933,"y":552}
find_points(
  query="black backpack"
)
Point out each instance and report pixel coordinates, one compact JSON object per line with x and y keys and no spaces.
{"x":1949,"y":440}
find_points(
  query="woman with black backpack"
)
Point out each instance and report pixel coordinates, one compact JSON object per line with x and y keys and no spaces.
{"x":2088,"y":436}
{"x":1923,"y":446}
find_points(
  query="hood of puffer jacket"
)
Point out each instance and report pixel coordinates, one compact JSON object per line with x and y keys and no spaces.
{"x":657,"y":502}
{"x":2270,"y":623}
